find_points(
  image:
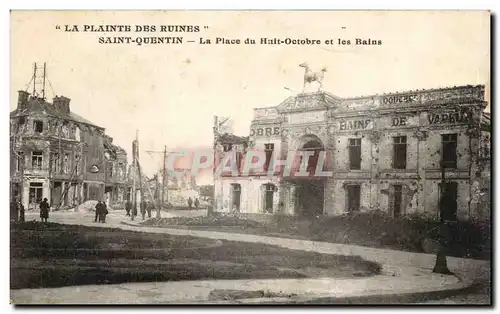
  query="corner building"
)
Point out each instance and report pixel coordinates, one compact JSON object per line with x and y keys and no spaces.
{"x":385,"y":151}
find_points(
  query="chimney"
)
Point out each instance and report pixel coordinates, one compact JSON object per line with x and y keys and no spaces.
{"x":61,"y":104}
{"x":22,"y":99}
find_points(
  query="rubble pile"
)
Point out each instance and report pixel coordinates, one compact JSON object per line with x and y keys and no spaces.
{"x":219,"y":220}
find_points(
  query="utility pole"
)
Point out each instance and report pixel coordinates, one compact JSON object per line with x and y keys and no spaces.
{"x":216,"y":130}
{"x":43,"y":84}
{"x":134,"y":164}
{"x":164,"y":172}
{"x":164,"y":192}
{"x":441,"y":266}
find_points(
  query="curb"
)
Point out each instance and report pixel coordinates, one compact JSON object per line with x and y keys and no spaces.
{"x":405,"y":297}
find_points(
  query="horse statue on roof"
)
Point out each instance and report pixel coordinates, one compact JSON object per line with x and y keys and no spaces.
{"x":310,"y":76}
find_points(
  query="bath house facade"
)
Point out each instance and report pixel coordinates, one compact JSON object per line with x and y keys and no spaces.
{"x":387,"y":152}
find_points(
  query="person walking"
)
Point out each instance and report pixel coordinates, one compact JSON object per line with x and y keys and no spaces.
{"x":44,"y":210}
{"x":98,"y":209}
{"x":196,"y":203}
{"x":128,"y":207}
{"x":103,"y":212}
{"x":190,"y":203}
{"x":148,"y":208}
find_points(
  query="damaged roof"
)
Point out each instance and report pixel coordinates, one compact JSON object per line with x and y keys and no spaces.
{"x":38,"y":105}
{"x":486,"y":121}
{"x":227,"y":138}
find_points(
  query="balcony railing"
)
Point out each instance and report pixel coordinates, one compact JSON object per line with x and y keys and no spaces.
{"x":36,"y":171}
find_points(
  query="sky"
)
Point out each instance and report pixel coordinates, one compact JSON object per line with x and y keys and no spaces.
{"x":170,"y":93}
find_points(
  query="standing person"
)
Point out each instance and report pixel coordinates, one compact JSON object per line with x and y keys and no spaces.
{"x":44,"y":210}
{"x":21,"y":211}
{"x":190,"y":203}
{"x":148,"y":208}
{"x":128,"y":207}
{"x":14,"y":214}
{"x":143,"y":210}
{"x":103,"y":212}
{"x":196,"y":203}
{"x":98,"y":210}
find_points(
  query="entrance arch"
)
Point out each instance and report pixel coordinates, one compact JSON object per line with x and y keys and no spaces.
{"x":310,"y":191}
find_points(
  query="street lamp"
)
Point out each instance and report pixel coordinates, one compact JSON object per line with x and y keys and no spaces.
{"x":441,"y":266}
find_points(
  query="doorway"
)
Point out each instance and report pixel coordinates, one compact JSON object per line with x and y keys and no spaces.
{"x":310,"y":196}
{"x":236,"y":196}
{"x":353,"y":198}
{"x":269,"y":190}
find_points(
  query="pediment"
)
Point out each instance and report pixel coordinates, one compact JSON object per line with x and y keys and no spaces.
{"x":309,"y":101}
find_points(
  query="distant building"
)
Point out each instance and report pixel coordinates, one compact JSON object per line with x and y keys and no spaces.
{"x":384,"y":151}
{"x":58,"y":155}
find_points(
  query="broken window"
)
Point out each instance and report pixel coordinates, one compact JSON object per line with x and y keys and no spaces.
{"x":55,"y":163}
{"x":36,"y":160}
{"x":449,"y":150}
{"x":354,"y":153}
{"x":38,"y":126}
{"x":399,"y":152}
{"x":66,"y":163}
{"x":268,"y":149}
{"x":77,"y":165}
{"x":353,"y":198}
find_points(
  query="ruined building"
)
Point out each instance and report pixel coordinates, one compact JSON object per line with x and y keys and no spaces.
{"x":384,"y":152}
{"x":58,"y":155}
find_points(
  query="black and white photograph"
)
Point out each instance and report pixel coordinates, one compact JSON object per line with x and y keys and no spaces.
{"x":226,"y":157}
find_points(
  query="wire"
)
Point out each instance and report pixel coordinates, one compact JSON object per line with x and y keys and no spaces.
{"x":50,"y":84}
{"x":29,"y":84}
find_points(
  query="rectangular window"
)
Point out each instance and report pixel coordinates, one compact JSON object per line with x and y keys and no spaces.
{"x":399,"y":152}
{"x":20,"y":161}
{"x":353,"y":198}
{"x":354,"y":153}
{"x":111,"y":170}
{"x":268,"y":149}
{"x":227,"y":147}
{"x":36,"y":160}
{"x":448,"y":201}
{"x":397,"y":200}
{"x":449,"y":150}
{"x":35,"y":192}
{"x":38,"y":126}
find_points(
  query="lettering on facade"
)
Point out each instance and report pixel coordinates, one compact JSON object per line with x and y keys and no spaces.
{"x":453,"y":117}
{"x":399,"y":121}
{"x":389,"y":100}
{"x":354,"y":125}
{"x":270,"y":131}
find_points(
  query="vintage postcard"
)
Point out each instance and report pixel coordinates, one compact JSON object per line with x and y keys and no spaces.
{"x":250,"y":157}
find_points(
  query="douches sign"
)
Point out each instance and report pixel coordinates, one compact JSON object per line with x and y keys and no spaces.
{"x":265,"y":131}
